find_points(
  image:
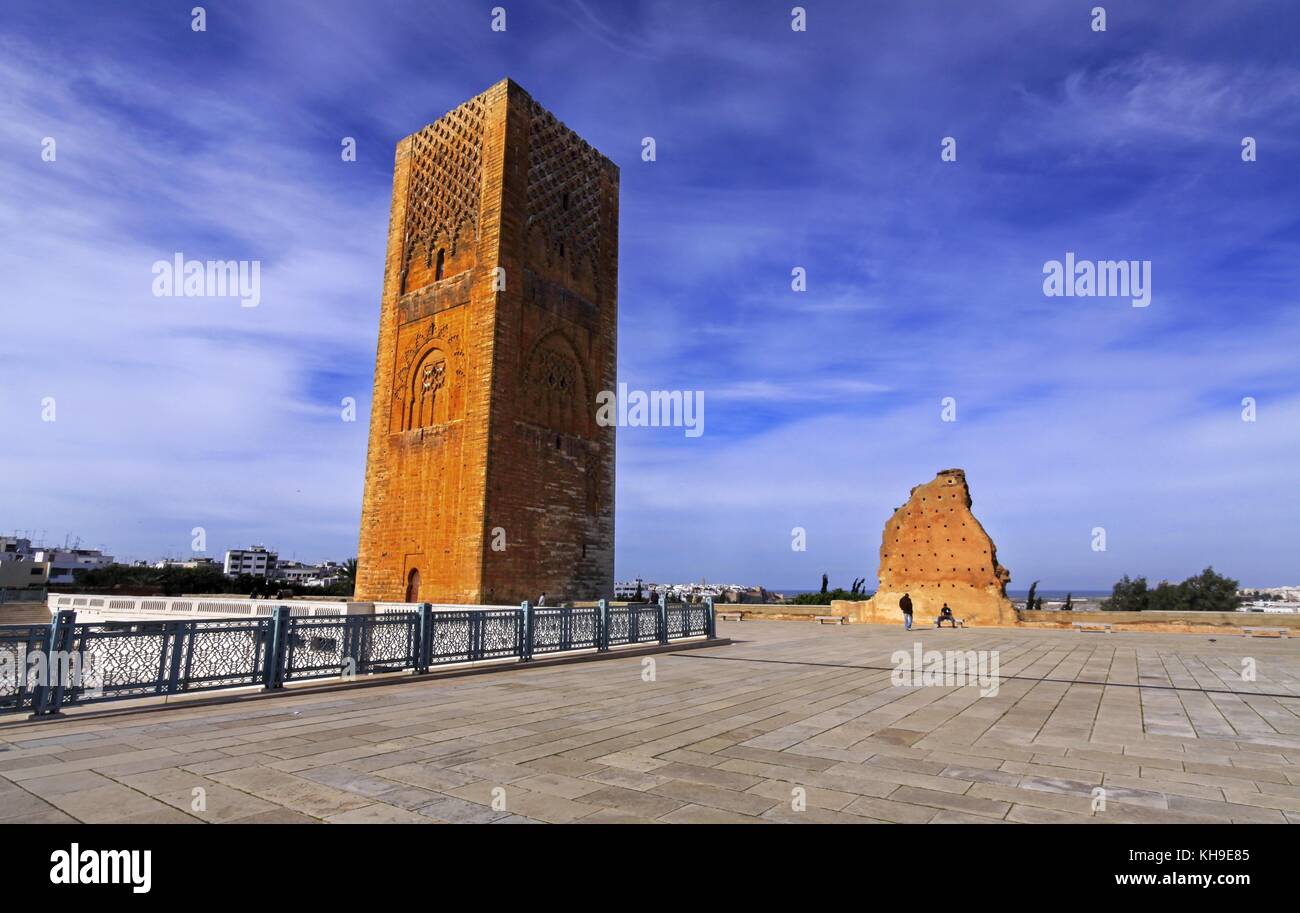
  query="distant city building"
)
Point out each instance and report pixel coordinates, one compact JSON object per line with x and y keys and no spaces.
{"x":14,"y":547}
{"x":189,"y":564}
{"x":327,"y":573}
{"x":64,"y":562}
{"x":24,"y":574}
{"x":695,"y":592}
{"x":1271,"y":594}
{"x":624,"y":591}
{"x":255,"y":561}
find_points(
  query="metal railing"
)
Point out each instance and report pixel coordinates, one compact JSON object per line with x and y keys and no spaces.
{"x":69,"y":663}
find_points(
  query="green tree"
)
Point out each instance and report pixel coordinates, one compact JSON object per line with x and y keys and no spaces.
{"x":1208,"y":591}
{"x":1167,"y":597}
{"x":348,"y":570}
{"x":1127,"y":596}
{"x":1211,"y":592}
{"x":347,"y":579}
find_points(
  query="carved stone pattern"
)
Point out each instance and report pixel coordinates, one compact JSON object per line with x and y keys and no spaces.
{"x":434,"y":374}
{"x":402,"y":382}
{"x":554,"y":373}
{"x":446,"y":170}
{"x":565,"y":184}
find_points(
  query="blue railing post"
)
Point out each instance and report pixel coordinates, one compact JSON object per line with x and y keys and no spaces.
{"x":424,"y":637}
{"x":176,"y":636}
{"x":526,"y":633}
{"x":710,"y":628}
{"x":355,"y":634}
{"x":663,"y":619}
{"x":47,"y":700}
{"x":277,"y":648}
{"x":602,"y":626}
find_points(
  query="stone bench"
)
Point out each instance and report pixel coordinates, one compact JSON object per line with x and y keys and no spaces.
{"x":1081,"y":626}
{"x":830,"y":619}
{"x":729,"y":616}
{"x":1255,"y":631}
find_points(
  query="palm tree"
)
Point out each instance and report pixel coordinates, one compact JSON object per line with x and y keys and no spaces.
{"x":349,"y":574}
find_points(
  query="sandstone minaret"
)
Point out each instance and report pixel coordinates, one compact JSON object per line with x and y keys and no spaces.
{"x":488,"y":478}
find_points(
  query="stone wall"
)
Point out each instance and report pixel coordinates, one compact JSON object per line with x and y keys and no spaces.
{"x":487,"y":479}
{"x":1181,"y":622}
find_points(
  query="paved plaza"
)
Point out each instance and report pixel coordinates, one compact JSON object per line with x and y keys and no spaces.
{"x":788,"y":714}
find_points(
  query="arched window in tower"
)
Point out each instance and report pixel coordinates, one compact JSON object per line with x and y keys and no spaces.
{"x":429,"y":377}
{"x":439,"y":263}
{"x":413,"y":585}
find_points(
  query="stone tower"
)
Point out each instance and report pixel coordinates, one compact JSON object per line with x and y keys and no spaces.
{"x":488,"y":479}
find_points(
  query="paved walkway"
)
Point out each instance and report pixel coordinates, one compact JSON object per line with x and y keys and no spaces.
{"x":792,"y":714}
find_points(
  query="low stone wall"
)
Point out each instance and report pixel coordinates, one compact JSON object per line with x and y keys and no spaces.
{"x":866,"y":612}
{"x":984,"y":609}
{"x":781,"y":611}
{"x":1193,"y":622}
{"x":1197,"y":622}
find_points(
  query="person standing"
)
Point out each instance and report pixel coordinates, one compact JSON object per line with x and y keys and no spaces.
{"x":906,"y":605}
{"x":541,"y":600}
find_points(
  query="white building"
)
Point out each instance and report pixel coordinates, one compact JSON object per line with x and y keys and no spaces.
{"x":65,"y":561}
{"x":255,"y":561}
{"x":624,"y":591}
{"x":297,"y":572}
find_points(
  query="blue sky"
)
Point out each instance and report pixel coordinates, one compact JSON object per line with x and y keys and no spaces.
{"x":775,"y":149}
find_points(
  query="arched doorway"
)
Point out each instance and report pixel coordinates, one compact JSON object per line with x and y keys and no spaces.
{"x":413,"y":585}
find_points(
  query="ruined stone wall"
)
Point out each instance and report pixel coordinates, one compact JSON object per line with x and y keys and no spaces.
{"x":934,"y":549}
{"x":479,"y":372}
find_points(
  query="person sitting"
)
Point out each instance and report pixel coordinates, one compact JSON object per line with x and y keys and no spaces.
{"x":945,"y":614}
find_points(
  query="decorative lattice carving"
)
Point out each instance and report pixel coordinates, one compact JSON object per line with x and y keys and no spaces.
{"x":555,"y":386}
{"x":554,"y":373}
{"x":565,"y":184}
{"x":429,"y":379}
{"x":417,"y":383}
{"x":446,"y":171}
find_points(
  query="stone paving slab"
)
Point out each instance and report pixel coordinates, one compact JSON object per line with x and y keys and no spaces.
{"x":789,"y":723}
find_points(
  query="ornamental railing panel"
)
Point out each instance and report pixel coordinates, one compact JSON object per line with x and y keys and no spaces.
{"x":19,"y":644}
{"x":561,"y":629}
